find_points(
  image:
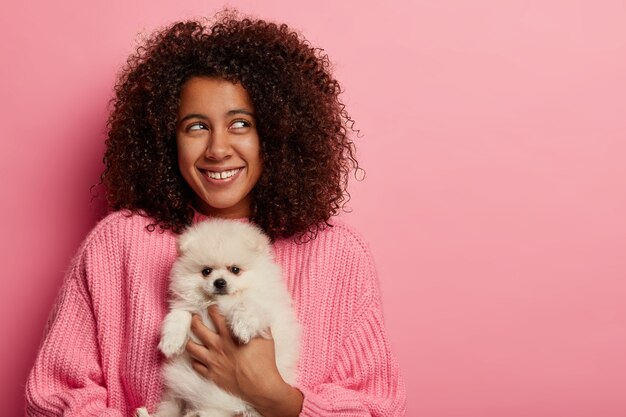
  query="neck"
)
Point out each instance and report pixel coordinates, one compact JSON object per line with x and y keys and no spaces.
{"x":238,"y":211}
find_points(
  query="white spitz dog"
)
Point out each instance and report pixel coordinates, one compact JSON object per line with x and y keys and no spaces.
{"x":228,"y":263}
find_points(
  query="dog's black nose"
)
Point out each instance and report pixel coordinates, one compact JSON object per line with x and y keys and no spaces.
{"x":220,"y":283}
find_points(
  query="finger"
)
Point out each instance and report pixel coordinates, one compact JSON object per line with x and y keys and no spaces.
{"x":219,"y":321}
{"x":266,"y":333}
{"x":201,"y":368}
{"x":197,"y":351}
{"x":206,"y":336}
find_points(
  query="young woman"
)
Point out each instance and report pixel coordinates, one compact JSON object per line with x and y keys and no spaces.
{"x":239,"y":119}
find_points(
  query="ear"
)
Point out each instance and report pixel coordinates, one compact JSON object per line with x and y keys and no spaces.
{"x":183,"y":242}
{"x":258,"y":242}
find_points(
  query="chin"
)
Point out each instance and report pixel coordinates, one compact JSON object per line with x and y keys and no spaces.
{"x":226,"y":206}
{"x":230,"y":264}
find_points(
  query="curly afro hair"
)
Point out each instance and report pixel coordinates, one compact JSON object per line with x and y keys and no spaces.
{"x":302,"y":124}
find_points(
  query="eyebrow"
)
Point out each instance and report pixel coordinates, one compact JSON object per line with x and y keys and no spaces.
{"x":243,"y":111}
{"x":228,"y":113}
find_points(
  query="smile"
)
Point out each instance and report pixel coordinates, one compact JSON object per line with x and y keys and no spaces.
{"x":222,"y":175}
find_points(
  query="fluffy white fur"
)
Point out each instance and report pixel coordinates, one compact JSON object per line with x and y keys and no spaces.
{"x":253,"y":300}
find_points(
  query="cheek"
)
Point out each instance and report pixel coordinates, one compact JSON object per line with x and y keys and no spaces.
{"x":188,"y":153}
{"x":256,"y":159}
{"x":239,"y":282}
{"x":183,"y":168}
{"x":187,"y":284}
{"x":182,"y":148}
{"x":251,"y":148}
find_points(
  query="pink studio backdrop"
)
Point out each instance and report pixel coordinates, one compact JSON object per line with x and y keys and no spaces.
{"x":493,"y":136}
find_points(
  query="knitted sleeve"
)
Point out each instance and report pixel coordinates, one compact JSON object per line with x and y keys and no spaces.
{"x":365,"y":380}
{"x":66,"y":379}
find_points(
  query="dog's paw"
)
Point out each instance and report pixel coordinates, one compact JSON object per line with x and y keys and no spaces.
{"x":142,"y":412}
{"x":173,"y":342}
{"x":245,"y":328}
{"x":175,"y":332}
{"x":244,"y":336}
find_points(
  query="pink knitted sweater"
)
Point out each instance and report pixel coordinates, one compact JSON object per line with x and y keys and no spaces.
{"x":99,"y":355}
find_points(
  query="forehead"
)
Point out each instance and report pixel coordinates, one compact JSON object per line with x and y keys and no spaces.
{"x":213,"y":94}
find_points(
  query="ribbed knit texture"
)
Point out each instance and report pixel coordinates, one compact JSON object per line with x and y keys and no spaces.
{"x":99,"y":355}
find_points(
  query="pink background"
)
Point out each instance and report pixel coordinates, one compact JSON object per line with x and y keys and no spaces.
{"x":494,"y":140}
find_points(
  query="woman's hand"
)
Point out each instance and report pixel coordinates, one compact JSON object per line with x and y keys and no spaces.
{"x":247,"y":371}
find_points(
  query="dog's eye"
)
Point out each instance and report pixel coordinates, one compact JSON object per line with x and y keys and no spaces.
{"x":206,"y":271}
{"x":235,"y":270}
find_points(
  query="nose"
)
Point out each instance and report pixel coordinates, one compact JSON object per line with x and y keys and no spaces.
{"x":219,"y":145}
{"x":219,"y":283}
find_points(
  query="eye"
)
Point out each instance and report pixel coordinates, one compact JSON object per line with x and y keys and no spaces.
{"x":240,"y":124}
{"x":206,"y":271}
{"x":196,"y":126}
{"x":235,"y":269}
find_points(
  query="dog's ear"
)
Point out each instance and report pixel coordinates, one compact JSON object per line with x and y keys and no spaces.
{"x":258,"y":242}
{"x":183,"y":242}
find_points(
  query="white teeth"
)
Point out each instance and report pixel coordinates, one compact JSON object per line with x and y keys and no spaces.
{"x":222,"y":175}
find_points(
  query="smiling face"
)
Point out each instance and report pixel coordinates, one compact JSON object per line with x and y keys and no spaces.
{"x":219,"y":154}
